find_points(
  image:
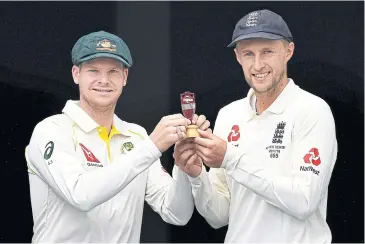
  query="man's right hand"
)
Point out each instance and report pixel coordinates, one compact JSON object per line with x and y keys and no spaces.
{"x":186,"y":158}
{"x":169,"y":130}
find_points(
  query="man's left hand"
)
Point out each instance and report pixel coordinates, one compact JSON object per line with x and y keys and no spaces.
{"x":210,"y":148}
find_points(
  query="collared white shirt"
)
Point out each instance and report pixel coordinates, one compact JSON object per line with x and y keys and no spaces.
{"x":88,"y":186}
{"x":273,"y":182}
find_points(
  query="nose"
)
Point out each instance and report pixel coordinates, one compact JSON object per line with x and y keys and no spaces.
{"x":103,"y":79}
{"x":258,"y":64}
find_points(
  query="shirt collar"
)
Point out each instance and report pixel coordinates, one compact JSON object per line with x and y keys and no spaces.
{"x":277,"y":107}
{"x":87,"y":124}
{"x":285,"y":98}
{"x":249,"y":112}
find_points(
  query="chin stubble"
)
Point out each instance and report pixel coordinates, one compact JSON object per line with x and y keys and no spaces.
{"x":99,"y":109}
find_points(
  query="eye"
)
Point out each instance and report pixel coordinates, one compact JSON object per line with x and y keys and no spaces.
{"x":247,"y":54}
{"x":268,"y":51}
{"x":113,"y":71}
{"x":93,"y":70}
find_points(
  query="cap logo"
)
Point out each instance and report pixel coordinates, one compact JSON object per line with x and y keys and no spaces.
{"x":252,"y":19}
{"x":106,"y":45}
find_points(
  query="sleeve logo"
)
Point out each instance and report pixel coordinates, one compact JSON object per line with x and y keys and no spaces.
{"x":312,"y":157}
{"x":49,"y":150}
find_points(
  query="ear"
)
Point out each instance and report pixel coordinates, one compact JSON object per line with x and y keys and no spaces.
{"x":289,"y":51}
{"x":125,"y":71}
{"x":75,"y":74}
{"x":237,"y":55}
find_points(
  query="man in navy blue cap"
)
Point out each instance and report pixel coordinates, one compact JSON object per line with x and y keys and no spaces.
{"x":272,"y":153}
{"x":89,"y":171}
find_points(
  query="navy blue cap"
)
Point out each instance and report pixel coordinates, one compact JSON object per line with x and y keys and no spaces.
{"x":261,"y":24}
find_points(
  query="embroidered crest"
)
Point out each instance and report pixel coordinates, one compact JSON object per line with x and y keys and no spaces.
{"x":106,"y":45}
{"x":252,"y":19}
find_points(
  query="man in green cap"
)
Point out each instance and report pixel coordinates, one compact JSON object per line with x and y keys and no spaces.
{"x":89,"y":171}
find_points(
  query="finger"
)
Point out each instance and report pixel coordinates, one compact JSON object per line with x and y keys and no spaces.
{"x":170,"y":130}
{"x":175,"y":157}
{"x":205,"y":125}
{"x":173,"y":117}
{"x":180,"y":146}
{"x":205,"y":134}
{"x":179,"y":143}
{"x":201,"y":120}
{"x":192,"y":161}
{"x":178,"y":132}
{"x":174,"y":138}
{"x":187,"y":154}
{"x":182,"y":136}
{"x":203,"y":142}
{"x":182,"y":129}
{"x":199,"y":160}
{"x":201,"y":155}
{"x":200,"y":148}
{"x":195,"y":119}
{"x":178,"y":122}
{"x":175,"y":132}
{"x":209,"y":130}
{"x":185,"y":157}
{"x":183,"y":146}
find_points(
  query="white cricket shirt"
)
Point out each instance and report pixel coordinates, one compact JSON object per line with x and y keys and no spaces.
{"x":88,"y":186}
{"x":273,"y":182}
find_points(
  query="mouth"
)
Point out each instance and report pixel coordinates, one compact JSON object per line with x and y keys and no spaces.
{"x":261,"y":76}
{"x":103,"y":90}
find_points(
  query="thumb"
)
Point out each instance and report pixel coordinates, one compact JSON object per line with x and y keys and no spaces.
{"x":205,"y":134}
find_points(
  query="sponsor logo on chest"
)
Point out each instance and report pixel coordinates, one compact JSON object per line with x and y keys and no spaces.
{"x":234,"y":135}
{"x":92,"y":161}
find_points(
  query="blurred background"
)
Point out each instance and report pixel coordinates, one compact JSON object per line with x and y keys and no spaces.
{"x":177,"y":47}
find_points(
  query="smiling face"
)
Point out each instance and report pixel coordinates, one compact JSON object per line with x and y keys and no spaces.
{"x":264,"y":62}
{"x":101,"y":82}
